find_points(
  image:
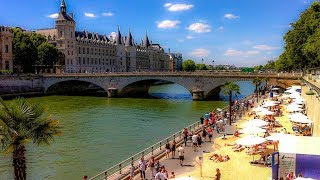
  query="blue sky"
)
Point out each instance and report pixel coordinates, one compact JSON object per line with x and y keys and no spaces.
{"x":240,"y":32}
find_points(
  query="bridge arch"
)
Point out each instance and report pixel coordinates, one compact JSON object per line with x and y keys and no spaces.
{"x":72,"y":85}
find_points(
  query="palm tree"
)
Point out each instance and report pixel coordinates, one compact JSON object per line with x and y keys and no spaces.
{"x":227,"y":89}
{"x":20,"y":123}
{"x":257,"y":82}
{"x":266,"y":80}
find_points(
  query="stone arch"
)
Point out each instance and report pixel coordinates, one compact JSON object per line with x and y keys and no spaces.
{"x":140,"y":87}
{"x":54,"y":82}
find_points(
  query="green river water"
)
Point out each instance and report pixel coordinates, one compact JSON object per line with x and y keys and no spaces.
{"x":99,"y":132}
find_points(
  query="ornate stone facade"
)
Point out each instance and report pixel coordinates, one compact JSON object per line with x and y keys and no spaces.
{"x":95,"y":53}
{"x":6,"y":56}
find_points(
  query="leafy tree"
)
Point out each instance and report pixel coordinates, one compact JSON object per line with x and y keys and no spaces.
{"x":24,"y":51}
{"x":266,"y":79}
{"x":257,"y":82}
{"x":201,"y":67}
{"x":228,"y":89}
{"x":302,"y":41}
{"x":188,"y":65}
{"x":20,"y":123}
{"x":37,"y":39}
{"x":270,"y":65}
{"x":48,"y":54}
{"x":258,"y":68}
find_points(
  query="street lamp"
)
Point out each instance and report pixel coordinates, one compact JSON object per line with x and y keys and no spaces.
{"x":212,"y":64}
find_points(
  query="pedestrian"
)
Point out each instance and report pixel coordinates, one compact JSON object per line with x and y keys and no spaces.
{"x":152,"y":166}
{"x":199,"y":141}
{"x":201,"y":119}
{"x":173,"y":149}
{"x":181,"y":155}
{"x":204,"y":133}
{"x":132,"y":170}
{"x":85,"y":177}
{"x":167,"y":149}
{"x":210,"y":133}
{"x":142,"y":168}
{"x":218,"y":174}
{"x":194,"y":142}
{"x":185,"y":136}
{"x":157,"y":166}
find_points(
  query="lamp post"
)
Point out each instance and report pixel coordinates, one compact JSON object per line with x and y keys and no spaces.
{"x":212,"y":65}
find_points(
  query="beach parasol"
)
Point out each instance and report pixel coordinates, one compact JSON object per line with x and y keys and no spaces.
{"x":255,"y":123}
{"x":252,"y":130}
{"x":250,"y":140}
{"x":293,"y":109}
{"x":263,"y":113}
{"x":275,"y":136}
{"x":258,"y":109}
{"x":300,"y":118}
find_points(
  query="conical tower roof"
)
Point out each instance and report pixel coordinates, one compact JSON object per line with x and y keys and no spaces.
{"x":129,"y":39}
{"x":146,"y":42}
{"x":118,"y":37}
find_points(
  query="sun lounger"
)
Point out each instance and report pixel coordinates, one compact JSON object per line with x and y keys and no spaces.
{"x":239,"y":149}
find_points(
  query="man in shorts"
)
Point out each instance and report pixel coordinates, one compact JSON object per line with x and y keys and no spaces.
{"x":194,"y":141}
{"x":181,"y":154}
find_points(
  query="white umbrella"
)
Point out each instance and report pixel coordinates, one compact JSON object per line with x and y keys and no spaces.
{"x":300,"y":118}
{"x":293,"y":109}
{"x":269,"y":104}
{"x":258,"y":109}
{"x":263,"y":113}
{"x":275,"y":136}
{"x":252,"y":130}
{"x":250,"y":140}
{"x":255,"y":123}
{"x":275,"y":88}
{"x":294,"y":105}
{"x":302,"y":121}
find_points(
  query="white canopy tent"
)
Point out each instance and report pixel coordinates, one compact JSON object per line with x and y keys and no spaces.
{"x":250,"y":140}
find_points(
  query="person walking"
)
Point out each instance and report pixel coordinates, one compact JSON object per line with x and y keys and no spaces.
{"x":173,"y":149}
{"x":152,"y":166}
{"x":142,"y":168}
{"x":132,"y":170}
{"x":204,"y":133}
{"x":201,"y":120}
{"x":194,"y":142}
{"x":210,"y":133}
{"x":218,"y":174}
{"x":185,"y":134}
{"x":181,"y":154}
{"x":167,"y":149}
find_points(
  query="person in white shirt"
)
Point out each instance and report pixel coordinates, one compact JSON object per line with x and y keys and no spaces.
{"x":195,"y":142}
{"x":142,"y":168}
{"x":181,"y":154}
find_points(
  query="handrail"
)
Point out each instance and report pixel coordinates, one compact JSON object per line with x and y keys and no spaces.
{"x":148,"y":152}
{"x":311,"y":85}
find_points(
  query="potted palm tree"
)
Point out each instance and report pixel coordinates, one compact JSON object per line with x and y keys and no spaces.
{"x":228,"y":89}
{"x":257,"y":82}
{"x":22,"y":122}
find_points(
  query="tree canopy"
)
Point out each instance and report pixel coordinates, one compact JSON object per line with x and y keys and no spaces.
{"x":32,"y":49}
{"x":188,"y":65}
{"x":201,"y":67}
{"x":302,"y":42}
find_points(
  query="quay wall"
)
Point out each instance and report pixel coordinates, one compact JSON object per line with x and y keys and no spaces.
{"x":11,"y":86}
{"x":313,"y":109}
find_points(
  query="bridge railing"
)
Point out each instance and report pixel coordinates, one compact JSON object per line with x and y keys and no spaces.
{"x":181,"y":73}
{"x":122,"y":169}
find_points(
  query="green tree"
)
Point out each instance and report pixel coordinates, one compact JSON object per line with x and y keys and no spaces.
{"x":266,"y":79}
{"x":270,"y":65}
{"x":48,"y":54}
{"x":20,"y":123}
{"x":37,"y":39}
{"x":201,"y":67}
{"x":302,"y":41}
{"x":228,"y":89}
{"x":24,"y":51}
{"x":188,"y":65}
{"x":257,"y":82}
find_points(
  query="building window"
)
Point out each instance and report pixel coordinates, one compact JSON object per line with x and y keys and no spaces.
{"x":71,"y":52}
{"x":88,"y":61}
{"x":68,"y":53}
{"x":7,"y":49}
{"x":79,"y":50}
{"x":87,"y":50}
{"x":84,"y":61}
{"x":84,"y":50}
{"x":71,"y":35}
{"x":79,"y":60}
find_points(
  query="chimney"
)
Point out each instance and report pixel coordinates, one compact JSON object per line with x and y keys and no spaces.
{"x":71,"y":15}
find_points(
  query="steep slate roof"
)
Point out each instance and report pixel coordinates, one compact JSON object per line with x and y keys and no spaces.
{"x":88,"y":35}
{"x":118,"y":37}
{"x":146,"y":42}
{"x":129,"y":40}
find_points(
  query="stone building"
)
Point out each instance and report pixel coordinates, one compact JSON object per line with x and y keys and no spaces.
{"x":95,"y":53}
{"x":6,"y":56}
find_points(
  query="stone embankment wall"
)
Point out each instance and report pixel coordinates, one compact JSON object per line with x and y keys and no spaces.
{"x":11,"y":86}
{"x":313,"y":109}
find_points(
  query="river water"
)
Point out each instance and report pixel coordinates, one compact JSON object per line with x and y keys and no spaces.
{"x":99,"y":132}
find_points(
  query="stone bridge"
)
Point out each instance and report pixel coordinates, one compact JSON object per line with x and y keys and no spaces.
{"x":201,"y":85}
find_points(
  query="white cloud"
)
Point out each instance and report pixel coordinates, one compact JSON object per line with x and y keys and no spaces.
{"x":220,"y":28}
{"x":53,"y":16}
{"x":231,"y":16}
{"x":199,"y":27}
{"x":189,"y":37}
{"x":178,"y":7}
{"x":112,"y":35}
{"x":234,"y":52}
{"x":269,"y":52}
{"x":167,"y":24}
{"x":264,"y":47}
{"x":90,"y":15}
{"x":167,"y":4}
{"x":200,"y":52}
{"x":107,"y":14}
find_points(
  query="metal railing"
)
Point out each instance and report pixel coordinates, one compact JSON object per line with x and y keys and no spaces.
{"x":311,"y":85}
{"x":121,"y":170}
